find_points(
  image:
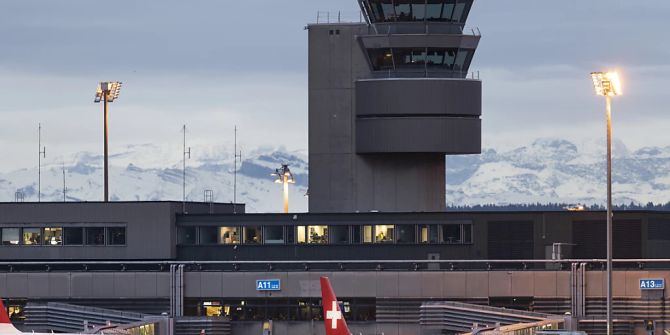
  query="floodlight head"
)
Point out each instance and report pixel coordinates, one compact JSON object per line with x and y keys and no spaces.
{"x":283,"y":173}
{"x":606,"y":83}
{"x":111,"y":88}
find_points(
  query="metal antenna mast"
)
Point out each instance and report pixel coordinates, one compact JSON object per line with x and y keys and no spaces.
{"x":235,"y":157}
{"x":186,"y":152}
{"x":41,"y":152}
{"x":64,"y":188}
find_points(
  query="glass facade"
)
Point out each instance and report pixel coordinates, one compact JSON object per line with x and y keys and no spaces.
{"x":252,"y":235}
{"x":384,"y":233}
{"x":318,"y":234}
{"x":420,"y":59}
{"x":274,"y":235}
{"x":95,"y":236}
{"x":450,"y":11}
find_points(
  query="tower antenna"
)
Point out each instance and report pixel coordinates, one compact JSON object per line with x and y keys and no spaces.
{"x":236,"y":156}
{"x":186,"y":152}
{"x":64,"y":188}
{"x":41,"y":153}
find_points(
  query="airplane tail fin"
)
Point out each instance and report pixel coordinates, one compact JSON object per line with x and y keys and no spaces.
{"x":332,"y":313}
{"x":5,"y":323}
{"x":4,"y":317}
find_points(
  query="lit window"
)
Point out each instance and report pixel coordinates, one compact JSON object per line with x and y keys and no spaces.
{"x":367,"y":234}
{"x":384,"y":233}
{"x":318,"y":234}
{"x":252,"y":235}
{"x":32,"y":236}
{"x":116,"y":236}
{"x":229,"y":235}
{"x":274,"y":234}
{"x":302,"y":234}
{"x":10,"y":236}
{"x":53,"y":236}
{"x":429,"y":234}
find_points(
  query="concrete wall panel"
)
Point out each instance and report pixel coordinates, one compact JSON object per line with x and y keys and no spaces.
{"x":432,"y":284}
{"x":523,"y":284}
{"x":211,"y":284}
{"x":457,"y":284}
{"x":38,"y":284}
{"x":146,"y":284}
{"x":124,"y":285}
{"x":408,"y":285}
{"x":545,"y":284}
{"x":81,"y":285}
{"x":595,"y":284}
{"x":17,"y":285}
{"x":192,"y":284}
{"x":500,"y":284}
{"x":233,"y":284}
{"x":59,"y":285}
{"x":387,"y":284}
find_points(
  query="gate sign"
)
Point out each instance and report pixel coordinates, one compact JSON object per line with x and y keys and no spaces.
{"x":268,"y":285}
{"x":652,"y":284}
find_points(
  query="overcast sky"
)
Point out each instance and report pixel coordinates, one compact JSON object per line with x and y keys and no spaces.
{"x":212,"y":64}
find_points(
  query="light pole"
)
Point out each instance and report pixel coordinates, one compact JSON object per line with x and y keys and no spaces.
{"x":607,"y":84}
{"x":285,"y":177}
{"x":107,"y":91}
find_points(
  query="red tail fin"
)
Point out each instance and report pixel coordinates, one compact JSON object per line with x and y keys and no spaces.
{"x":332,"y":314}
{"x":4,"y":318}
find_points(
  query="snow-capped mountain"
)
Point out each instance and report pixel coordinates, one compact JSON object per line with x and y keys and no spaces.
{"x":549,"y":170}
{"x":554,"y":170}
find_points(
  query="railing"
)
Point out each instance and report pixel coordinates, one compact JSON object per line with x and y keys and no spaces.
{"x":339,"y":17}
{"x":427,"y":73}
{"x":421,"y":27}
{"x":335,"y":265}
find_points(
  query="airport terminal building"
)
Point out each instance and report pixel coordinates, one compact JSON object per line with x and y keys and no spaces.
{"x":389,"y":97}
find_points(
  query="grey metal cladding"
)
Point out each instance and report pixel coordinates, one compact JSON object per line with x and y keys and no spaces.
{"x":418,"y":96}
{"x":449,"y":135}
{"x":420,"y":41}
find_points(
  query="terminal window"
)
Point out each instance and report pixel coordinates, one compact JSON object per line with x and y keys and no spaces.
{"x":95,"y":236}
{"x":229,"y":235}
{"x":339,"y":234}
{"x":406,"y":234}
{"x":208,"y":235}
{"x":318,"y":234}
{"x":429,"y":233}
{"x":32,"y":236}
{"x":74,"y":236}
{"x":116,"y":236}
{"x":10,"y":236}
{"x":384,"y":233}
{"x":53,"y":236}
{"x":252,"y":235}
{"x":274,"y":234}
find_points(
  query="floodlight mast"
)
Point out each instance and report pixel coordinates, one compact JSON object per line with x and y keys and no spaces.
{"x":608,"y":84}
{"x":284,"y":176}
{"x":107,"y":92}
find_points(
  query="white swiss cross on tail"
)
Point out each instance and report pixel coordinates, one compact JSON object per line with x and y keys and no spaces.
{"x":332,"y":315}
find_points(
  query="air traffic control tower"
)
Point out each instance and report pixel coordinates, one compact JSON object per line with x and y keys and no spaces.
{"x":388,"y":99}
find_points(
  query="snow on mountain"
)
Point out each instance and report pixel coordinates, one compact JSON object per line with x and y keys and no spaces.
{"x":555,"y":170}
{"x":548,"y":170}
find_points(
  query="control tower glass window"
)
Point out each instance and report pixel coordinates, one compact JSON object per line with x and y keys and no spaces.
{"x":32,"y":236}
{"x":381,"y":59}
{"x":420,"y":59}
{"x":451,"y":11}
{"x":10,"y":236}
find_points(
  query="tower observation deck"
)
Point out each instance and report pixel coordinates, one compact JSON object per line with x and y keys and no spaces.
{"x":388,"y":99}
